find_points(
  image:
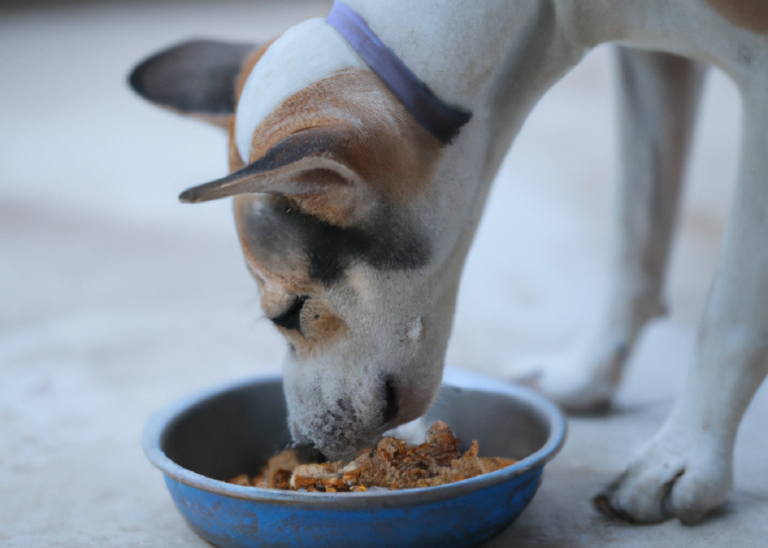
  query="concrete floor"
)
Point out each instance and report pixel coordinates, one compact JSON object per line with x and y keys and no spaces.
{"x":115,"y":299}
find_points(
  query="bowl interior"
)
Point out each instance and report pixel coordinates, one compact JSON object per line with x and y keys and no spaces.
{"x":237,"y":430}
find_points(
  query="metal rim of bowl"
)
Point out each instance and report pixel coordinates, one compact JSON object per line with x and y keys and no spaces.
{"x":163,"y":419}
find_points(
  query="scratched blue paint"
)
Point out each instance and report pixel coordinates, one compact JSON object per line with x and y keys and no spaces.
{"x":461,"y":521}
{"x":456,"y":515}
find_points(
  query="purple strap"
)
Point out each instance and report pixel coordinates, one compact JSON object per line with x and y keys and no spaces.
{"x":441,"y":120}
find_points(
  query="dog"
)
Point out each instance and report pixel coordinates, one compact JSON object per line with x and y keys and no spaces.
{"x":361,"y":151}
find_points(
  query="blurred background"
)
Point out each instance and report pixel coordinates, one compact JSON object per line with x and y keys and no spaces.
{"x":115,"y":299}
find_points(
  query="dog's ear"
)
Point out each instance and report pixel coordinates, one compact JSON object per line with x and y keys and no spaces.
{"x":307,"y":167}
{"x":195,"y":78}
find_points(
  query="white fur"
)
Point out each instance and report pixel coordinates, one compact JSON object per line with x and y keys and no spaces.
{"x":498,"y":58}
{"x":308,"y":52}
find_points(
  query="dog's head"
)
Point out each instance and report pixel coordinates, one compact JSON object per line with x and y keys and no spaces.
{"x":337,"y":210}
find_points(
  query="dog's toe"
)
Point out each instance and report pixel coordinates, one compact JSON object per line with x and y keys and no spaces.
{"x":603,"y":504}
{"x":570,"y":381}
{"x":676,"y":480}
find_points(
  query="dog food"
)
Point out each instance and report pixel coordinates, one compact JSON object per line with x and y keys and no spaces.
{"x":392,"y":464}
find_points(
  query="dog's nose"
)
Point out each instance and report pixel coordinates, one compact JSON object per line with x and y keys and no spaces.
{"x":391,"y":406}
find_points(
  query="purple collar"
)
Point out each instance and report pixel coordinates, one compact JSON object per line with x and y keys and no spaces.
{"x":440,"y":119}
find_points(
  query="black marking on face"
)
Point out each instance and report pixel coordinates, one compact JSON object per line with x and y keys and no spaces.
{"x":280,"y":236}
{"x":291,"y":318}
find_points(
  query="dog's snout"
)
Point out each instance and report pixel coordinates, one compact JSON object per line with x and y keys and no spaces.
{"x":391,"y":406}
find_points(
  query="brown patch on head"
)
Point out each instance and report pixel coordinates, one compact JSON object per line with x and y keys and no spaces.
{"x":333,"y":207}
{"x":301,"y":253}
{"x":384,"y":144}
{"x":751,"y":15}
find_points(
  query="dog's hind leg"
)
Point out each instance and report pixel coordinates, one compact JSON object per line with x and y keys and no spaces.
{"x":658,"y":99}
{"x":686,"y":470}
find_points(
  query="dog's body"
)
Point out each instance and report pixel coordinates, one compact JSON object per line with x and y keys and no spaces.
{"x":356,"y":221}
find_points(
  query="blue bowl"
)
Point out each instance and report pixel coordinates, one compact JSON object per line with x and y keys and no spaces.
{"x":202,"y":441}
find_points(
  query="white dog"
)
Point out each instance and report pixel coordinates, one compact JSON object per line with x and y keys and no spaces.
{"x":362,"y":148}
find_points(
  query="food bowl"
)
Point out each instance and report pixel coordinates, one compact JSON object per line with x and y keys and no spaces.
{"x":204,"y":440}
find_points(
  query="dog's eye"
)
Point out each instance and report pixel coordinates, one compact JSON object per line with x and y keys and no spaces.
{"x":291,"y":318}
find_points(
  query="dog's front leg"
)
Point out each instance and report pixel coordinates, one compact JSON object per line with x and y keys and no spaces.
{"x":658,"y":99}
{"x":686,"y":471}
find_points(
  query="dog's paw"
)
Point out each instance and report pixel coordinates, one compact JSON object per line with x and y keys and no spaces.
{"x":679,"y":478}
{"x":580,"y":382}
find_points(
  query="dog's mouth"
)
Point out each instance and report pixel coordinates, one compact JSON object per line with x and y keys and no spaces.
{"x":307,"y":452}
